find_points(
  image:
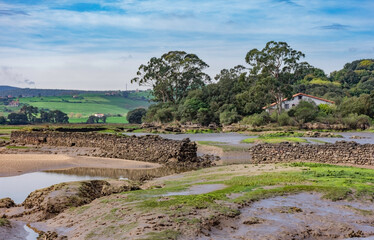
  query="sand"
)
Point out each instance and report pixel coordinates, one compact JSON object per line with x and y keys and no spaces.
{"x":16,"y":164}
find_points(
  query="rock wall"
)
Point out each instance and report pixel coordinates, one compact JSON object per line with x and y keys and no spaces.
{"x":149,"y":148}
{"x":340,"y":152}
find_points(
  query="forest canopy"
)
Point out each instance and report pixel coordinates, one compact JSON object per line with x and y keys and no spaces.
{"x":184,"y":93}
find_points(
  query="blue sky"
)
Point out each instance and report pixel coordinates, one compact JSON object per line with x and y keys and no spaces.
{"x":98,"y":44}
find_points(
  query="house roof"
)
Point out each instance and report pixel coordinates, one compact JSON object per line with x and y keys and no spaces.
{"x":302,"y":94}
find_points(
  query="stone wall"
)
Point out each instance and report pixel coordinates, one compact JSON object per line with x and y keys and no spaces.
{"x":149,"y":148}
{"x":340,"y":152}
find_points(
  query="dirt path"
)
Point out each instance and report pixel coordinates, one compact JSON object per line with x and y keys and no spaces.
{"x":16,"y":164}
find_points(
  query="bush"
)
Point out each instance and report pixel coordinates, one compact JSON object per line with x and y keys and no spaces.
{"x":229,"y":116}
{"x":355,"y":121}
{"x":257,"y":120}
{"x":164,"y":115}
{"x":305,"y":112}
{"x":284,"y":119}
{"x":2,"y":120}
{"x":327,"y":108}
{"x":17,"y":118}
{"x":136,"y":115}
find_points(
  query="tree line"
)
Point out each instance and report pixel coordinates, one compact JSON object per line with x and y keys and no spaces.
{"x":29,"y":115}
{"x":183,"y":92}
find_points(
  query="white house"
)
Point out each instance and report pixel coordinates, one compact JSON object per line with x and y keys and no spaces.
{"x":295,"y":100}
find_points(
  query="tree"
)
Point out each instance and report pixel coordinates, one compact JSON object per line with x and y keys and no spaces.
{"x":2,"y":120}
{"x":17,"y":118}
{"x":30,"y":111}
{"x":58,"y":116}
{"x":275,"y":65}
{"x":172,"y":75}
{"x":136,"y":115}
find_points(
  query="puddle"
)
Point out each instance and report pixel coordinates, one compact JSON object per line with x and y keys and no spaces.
{"x":114,"y":173}
{"x":301,"y":216}
{"x":197,"y":189}
{"x":19,"y":187}
{"x":32,"y":235}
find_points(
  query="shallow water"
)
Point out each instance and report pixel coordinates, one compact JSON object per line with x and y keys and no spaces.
{"x":32,"y":235}
{"x":236,"y":138}
{"x":197,"y":189}
{"x":368,"y":138}
{"x":19,"y":187}
{"x":229,"y":138}
{"x":115,"y":173}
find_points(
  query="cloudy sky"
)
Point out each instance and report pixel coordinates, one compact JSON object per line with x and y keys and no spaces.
{"x":97,"y":44}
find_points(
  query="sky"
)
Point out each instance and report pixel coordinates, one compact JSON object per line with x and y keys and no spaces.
{"x":99,"y":45}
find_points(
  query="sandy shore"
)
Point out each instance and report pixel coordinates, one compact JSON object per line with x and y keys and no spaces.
{"x":16,"y":164}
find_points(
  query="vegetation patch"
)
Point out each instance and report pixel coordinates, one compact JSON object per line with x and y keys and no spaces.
{"x":4,"y":222}
{"x":17,"y":147}
{"x":167,"y":234}
{"x":274,"y":140}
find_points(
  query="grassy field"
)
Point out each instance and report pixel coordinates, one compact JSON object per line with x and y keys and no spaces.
{"x":81,"y":107}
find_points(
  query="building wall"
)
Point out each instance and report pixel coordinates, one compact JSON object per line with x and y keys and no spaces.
{"x":295,"y":101}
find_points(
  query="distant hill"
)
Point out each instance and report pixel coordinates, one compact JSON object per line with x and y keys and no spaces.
{"x":7,"y":88}
{"x":34,"y":92}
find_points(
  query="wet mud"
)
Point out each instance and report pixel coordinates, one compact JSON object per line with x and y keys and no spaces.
{"x":301,"y":216}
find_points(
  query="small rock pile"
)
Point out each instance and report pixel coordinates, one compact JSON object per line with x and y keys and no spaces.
{"x":341,"y":152}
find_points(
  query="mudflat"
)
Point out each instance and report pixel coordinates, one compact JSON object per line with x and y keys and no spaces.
{"x":16,"y":164}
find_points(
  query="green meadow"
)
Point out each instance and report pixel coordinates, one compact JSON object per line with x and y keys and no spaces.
{"x":80,"y":108}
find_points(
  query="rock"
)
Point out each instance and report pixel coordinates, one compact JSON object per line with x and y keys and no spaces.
{"x":253,"y":220}
{"x":358,"y":137}
{"x":7,"y":203}
{"x":51,"y":201}
{"x":149,"y":148}
{"x":341,"y":152}
{"x":50,"y":236}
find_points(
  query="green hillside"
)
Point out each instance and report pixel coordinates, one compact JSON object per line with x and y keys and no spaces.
{"x":80,"y":107}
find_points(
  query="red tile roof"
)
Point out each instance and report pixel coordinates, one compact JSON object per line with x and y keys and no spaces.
{"x":302,"y":94}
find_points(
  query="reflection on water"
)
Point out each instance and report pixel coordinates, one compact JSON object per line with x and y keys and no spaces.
{"x":32,"y":233}
{"x":229,"y":138}
{"x":19,"y":187}
{"x":236,"y":138}
{"x":132,"y":174}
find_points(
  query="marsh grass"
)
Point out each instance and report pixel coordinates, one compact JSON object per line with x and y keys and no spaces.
{"x":4,"y":222}
{"x":224,"y":146}
{"x":274,"y":140}
{"x":167,"y":234}
{"x":16,"y":147}
{"x":334,"y":182}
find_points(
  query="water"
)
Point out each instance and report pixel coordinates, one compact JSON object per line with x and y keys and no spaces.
{"x":197,"y":189}
{"x":32,"y":235}
{"x":19,"y":187}
{"x":229,"y":138}
{"x":368,"y":138}
{"x":236,"y":138}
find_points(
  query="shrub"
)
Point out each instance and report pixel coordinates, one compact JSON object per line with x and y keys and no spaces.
{"x":257,"y":120}
{"x":2,"y":120}
{"x":284,"y":119}
{"x":355,"y":121}
{"x":136,"y":115}
{"x":229,"y":116}
{"x":305,"y":112}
